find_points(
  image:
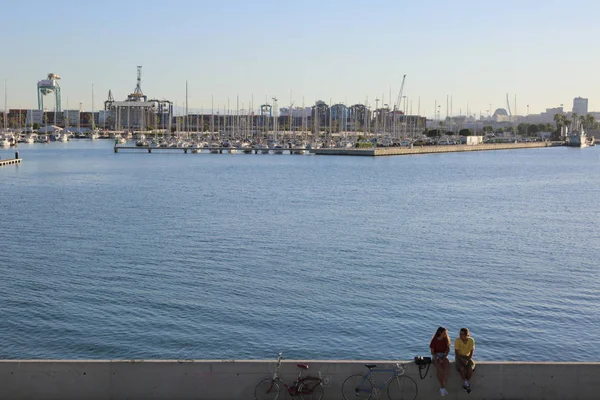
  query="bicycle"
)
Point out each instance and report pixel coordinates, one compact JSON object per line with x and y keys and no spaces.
{"x":307,"y":387}
{"x":399,"y":386}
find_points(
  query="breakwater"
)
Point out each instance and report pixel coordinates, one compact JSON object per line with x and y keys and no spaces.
{"x":236,"y":379}
{"x":415,"y":150}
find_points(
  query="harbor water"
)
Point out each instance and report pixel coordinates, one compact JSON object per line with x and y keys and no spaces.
{"x":219,"y":256}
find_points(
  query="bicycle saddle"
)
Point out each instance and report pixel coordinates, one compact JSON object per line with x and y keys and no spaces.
{"x":302,"y":366}
{"x":371,"y":366}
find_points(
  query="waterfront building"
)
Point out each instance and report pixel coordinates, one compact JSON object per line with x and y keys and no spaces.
{"x":35,"y":117}
{"x":320,"y":115}
{"x":358,"y":117}
{"x":580,"y":106}
{"x":71,"y":117}
{"x":339,"y":116}
{"x":297,"y":112}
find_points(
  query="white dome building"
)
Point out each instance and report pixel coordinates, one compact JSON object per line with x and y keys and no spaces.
{"x":501,"y":115}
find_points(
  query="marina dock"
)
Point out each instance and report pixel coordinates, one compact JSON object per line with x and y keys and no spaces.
{"x":10,"y":161}
{"x":207,"y":150}
{"x":368,"y":152}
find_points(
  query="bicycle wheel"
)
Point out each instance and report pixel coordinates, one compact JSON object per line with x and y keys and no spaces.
{"x":357,"y":387}
{"x":402,"y":387}
{"x":267,"y":389}
{"x":311,"y":389}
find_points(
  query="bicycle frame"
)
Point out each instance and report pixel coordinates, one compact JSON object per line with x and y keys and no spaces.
{"x":398,"y":371}
{"x":293,"y":389}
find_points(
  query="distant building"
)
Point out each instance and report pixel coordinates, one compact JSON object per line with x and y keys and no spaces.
{"x":501,"y":115}
{"x":580,"y":106}
{"x":35,"y":117}
{"x":545,"y":117}
{"x":71,"y":117}
{"x":297,"y":112}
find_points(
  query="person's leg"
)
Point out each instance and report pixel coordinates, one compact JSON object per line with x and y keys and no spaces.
{"x":460,"y":368}
{"x":446,"y":365}
{"x":440,"y":371}
{"x":469,"y":370}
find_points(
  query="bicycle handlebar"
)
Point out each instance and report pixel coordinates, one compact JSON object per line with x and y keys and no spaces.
{"x":278,"y":365}
{"x":400,"y":368}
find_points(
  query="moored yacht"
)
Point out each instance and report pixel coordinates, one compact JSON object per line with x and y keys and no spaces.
{"x":246,"y":147}
{"x":262,"y":148}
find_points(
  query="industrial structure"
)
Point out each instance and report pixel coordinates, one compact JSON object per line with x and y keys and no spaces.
{"x":48,"y":86}
{"x":137,"y":112}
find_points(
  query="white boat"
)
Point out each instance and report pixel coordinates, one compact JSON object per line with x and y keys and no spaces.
{"x":63,"y":137}
{"x":278,"y":149}
{"x":121,"y":140}
{"x":263,"y":148}
{"x":196,"y":148}
{"x":29,"y":139}
{"x":4,"y":142}
{"x":246,"y":147}
{"x":298,"y":148}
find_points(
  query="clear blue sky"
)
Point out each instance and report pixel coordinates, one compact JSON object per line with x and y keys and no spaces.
{"x":545,"y":52}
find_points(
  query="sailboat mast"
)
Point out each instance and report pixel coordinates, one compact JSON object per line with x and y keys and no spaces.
{"x":93,"y":124}
{"x":5,"y":109}
{"x":185,"y":121}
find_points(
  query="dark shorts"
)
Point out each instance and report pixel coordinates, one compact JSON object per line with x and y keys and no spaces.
{"x":460,"y":363}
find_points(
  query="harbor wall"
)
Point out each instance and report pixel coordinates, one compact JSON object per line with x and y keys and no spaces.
{"x":394,"y":151}
{"x":233,"y":379}
{"x":401,"y":151}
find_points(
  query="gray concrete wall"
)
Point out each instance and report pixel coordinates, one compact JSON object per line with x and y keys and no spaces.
{"x":401,"y":151}
{"x":396,"y":151}
{"x":229,"y":380}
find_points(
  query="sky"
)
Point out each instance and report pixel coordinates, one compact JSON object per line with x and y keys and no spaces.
{"x":475,"y":52}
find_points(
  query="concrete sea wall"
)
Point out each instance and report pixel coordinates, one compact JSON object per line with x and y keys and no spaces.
{"x":232,"y":379}
{"x":403,"y":151}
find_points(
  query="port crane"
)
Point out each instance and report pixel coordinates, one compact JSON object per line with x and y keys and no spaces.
{"x":48,"y":86}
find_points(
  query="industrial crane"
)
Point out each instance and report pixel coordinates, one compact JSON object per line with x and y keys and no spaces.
{"x":397,"y":107}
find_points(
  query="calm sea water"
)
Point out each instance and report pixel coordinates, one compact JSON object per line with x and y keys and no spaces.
{"x":181,"y":256}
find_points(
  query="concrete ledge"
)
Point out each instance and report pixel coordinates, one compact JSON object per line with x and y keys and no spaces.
{"x":403,"y":151}
{"x":398,"y":151}
{"x":10,"y":161}
{"x":233,"y":379}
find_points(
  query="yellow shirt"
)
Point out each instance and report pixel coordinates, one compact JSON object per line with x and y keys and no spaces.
{"x":462,"y":348}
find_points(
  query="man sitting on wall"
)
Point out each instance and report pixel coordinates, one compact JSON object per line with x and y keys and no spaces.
{"x":464,"y":347}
